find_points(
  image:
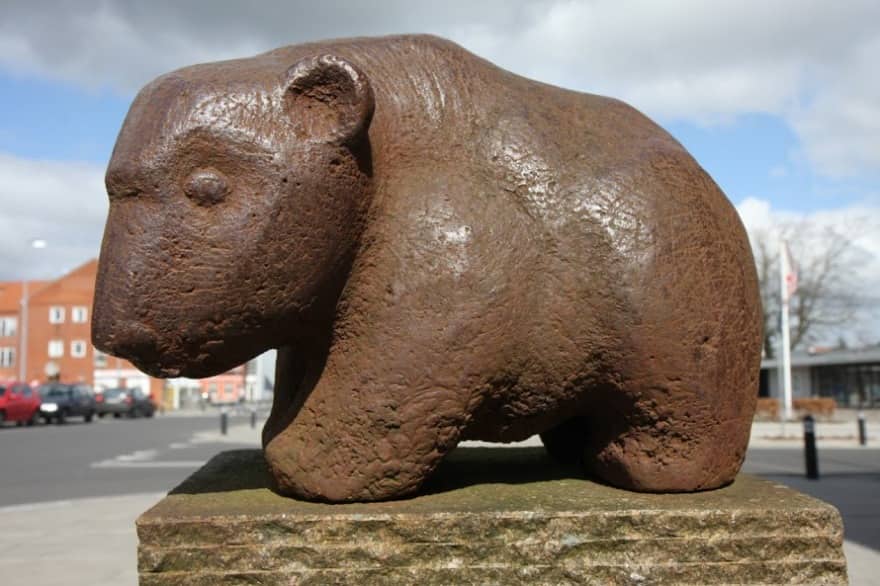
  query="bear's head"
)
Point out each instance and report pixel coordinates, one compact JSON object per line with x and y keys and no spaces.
{"x":238,"y":192}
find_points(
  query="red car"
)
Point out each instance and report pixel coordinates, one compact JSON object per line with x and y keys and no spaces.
{"x":18,"y":402}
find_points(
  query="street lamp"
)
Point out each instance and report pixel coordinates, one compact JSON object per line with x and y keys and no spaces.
{"x":37,"y":243}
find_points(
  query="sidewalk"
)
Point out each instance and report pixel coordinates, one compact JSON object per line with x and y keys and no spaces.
{"x":241,"y":433}
{"x":829,"y":434}
{"x":88,"y":542}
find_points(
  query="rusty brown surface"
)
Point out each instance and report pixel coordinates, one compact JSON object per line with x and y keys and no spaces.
{"x":441,"y":250}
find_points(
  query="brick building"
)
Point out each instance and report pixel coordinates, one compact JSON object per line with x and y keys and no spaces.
{"x":10,"y":326}
{"x":59,"y":331}
{"x":58,"y":321}
{"x":58,"y":318}
{"x":59,"y":344}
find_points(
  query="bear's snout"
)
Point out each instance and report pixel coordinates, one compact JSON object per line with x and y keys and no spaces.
{"x":136,"y":342}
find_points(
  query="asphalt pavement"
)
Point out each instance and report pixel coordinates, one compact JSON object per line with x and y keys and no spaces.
{"x":69,"y":495}
{"x":106,"y":457}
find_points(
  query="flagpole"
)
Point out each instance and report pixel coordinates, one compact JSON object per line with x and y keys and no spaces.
{"x":784,"y":269}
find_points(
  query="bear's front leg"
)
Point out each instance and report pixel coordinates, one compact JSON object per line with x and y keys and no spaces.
{"x":364,"y":433}
{"x":417,"y":330}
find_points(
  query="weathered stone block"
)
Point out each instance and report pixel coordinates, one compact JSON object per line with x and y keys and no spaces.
{"x":490,"y":516}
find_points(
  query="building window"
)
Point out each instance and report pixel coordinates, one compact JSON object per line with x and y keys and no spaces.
{"x":8,"y":325}
{"x":78,"y":348}
{"x":56,"y":348}
{"x":79,"y":314}
{"x":7,"y":357}
{"x":100,"y":359}
{"x":56,"y":314}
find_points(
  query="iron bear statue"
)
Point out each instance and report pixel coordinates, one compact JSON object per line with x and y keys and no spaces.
{"x":441,"y":250}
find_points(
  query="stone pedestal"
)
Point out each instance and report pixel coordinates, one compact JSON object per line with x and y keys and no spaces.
{"x":490,"y":516}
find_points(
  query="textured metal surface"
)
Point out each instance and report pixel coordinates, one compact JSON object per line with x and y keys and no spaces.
{"x":441,"y":250}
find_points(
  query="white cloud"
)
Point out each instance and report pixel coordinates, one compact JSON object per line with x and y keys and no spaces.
{"x":810,"y":61}
{"x":840,"y":126}
{"x":62,"y":203}
{"x":860,"y":224}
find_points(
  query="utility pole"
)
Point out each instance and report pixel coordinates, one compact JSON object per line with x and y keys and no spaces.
{"x":788,"y":285}
{"x":37,"y":243}
{"x":23,"y":335}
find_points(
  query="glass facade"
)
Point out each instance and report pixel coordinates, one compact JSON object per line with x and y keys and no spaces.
{"x":851,"y":385}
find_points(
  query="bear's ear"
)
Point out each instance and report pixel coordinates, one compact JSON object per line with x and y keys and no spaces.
{"x":328,"y":99}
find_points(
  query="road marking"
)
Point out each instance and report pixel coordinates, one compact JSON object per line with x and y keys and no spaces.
{"x":153,"y":464}
{"x":145,"y":459}
{"x":138,"y":456}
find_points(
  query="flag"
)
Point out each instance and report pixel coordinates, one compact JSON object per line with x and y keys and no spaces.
{"x":789,"y":272}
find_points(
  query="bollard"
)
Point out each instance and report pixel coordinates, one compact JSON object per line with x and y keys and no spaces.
{"x":253,"y":418}
{"x":810,"y":447}
{"x":863,"y":431}
{"x":224,"y":422}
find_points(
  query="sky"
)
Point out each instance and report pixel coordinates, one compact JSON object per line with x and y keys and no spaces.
{"x":778,"y":100}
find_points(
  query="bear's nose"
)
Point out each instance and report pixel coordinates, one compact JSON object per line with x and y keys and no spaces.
{"x":124,"y":179}
{"x":129,"y":340}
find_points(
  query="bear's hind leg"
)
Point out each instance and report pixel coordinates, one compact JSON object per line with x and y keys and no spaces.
{"x":681,"y":432}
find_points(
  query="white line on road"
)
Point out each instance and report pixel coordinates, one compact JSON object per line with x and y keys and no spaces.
{"x":145,"y":459}
{"x":153,"y":464}
{"x":138,"y":456}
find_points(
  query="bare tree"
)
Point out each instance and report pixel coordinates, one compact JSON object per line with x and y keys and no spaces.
{"x":829,"y":297}
{"x":767,"y":264}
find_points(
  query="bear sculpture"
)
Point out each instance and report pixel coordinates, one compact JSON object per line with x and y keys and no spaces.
{"x":440,"y":250}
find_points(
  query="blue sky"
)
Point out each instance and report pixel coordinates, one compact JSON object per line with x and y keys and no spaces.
{"x":47,"y":119}
{"x":779,"y":101}
{"x":758,"y":155}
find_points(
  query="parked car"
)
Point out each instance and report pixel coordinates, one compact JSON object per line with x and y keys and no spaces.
{"x":61,"y":401}
{"x":18,"y":402}
{"x":129,"y":402}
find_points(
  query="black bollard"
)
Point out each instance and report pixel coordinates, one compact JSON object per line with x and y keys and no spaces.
{"x":224,"y":422}
{"x":253,"y":418}
{"x":863,"y":431}
{"x":810,"y":447}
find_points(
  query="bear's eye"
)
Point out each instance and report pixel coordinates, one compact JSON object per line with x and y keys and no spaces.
{"x":206,"y":187}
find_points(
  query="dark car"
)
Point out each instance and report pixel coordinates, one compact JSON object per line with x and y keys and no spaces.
{"x":129,"y":402}
{"x":18,"y":402}
{"x":61,"y":401}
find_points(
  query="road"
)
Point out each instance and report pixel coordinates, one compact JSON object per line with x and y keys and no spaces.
{"x":849,"y":480}
{"x":105,"y":457}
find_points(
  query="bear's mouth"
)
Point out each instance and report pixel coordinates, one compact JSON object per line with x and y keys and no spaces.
{"x":141,"y":345}
{"x":172,"y":362}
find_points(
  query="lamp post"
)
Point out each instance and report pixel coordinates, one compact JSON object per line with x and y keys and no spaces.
{"x":37,"y":243}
